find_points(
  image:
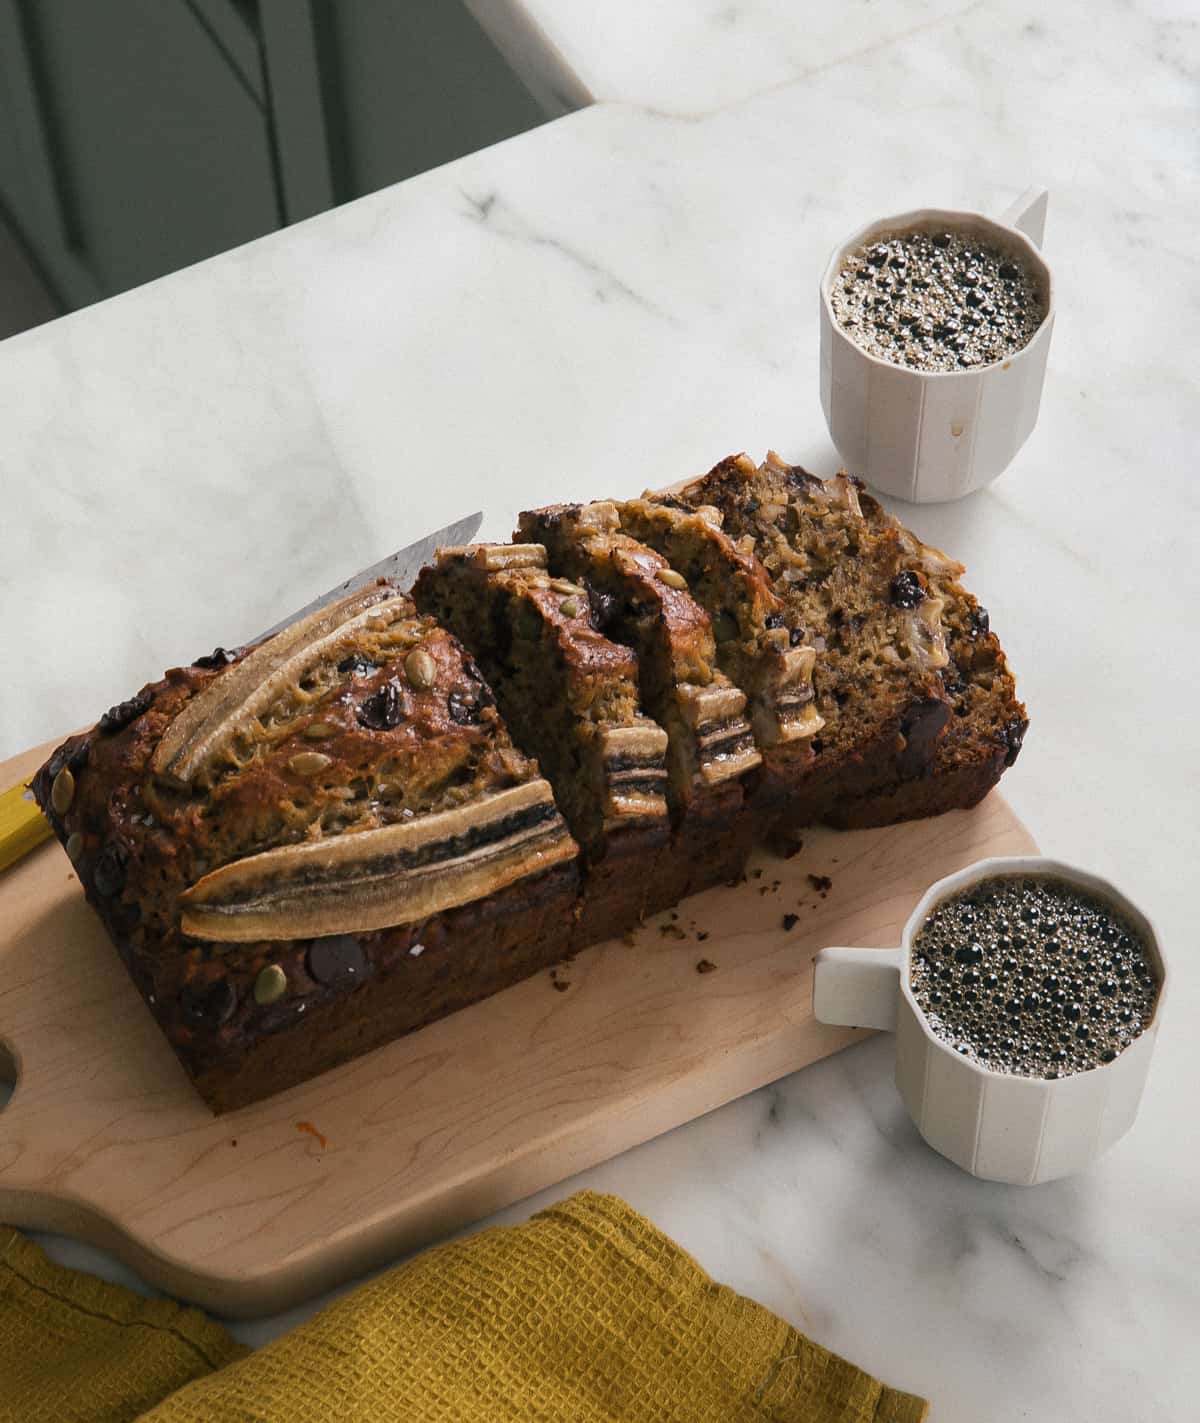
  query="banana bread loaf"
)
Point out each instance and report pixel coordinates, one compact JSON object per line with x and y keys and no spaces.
{"x":304,"y":849}
{"x":639,"y":600}
{"x":570,"y":696}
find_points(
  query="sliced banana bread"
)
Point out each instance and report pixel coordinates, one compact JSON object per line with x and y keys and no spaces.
{"x":638,"y":599}
{"x":759,"y":645}
{"x":886,"y":613}
{"x":570,"y":696}
{"x":304,"y":849}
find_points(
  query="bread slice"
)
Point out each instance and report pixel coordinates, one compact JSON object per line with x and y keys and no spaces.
{"x":759,"y":645}
{"x":306,"y":848}
{"x":637,"y":599}
{"x":985,"y":733}
{"x":570,"y":696}
{"x":879,"y":650}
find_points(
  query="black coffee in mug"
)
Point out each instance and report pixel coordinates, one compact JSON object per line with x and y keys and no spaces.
{"x":937,"y":300}
{"x":1029,"y":974}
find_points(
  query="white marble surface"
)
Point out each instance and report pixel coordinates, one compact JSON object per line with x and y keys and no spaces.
{"x":690,"y":57}
{"x":620,"y":298}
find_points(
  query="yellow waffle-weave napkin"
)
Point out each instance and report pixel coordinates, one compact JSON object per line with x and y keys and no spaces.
{"x":75,"y":1349}
{"x":587,"y":1314}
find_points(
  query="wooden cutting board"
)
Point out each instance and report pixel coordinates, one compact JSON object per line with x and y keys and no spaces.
{"x":105,"y":1140}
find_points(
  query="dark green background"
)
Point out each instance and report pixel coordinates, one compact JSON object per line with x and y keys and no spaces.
{"x":138,"y":136}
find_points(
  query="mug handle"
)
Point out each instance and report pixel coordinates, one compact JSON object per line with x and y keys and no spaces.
{"x":1028,"y":214}
{"x":858,"y":988}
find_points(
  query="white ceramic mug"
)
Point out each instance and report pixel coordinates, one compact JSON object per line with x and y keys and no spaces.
{"x":996,"y":1125}
{"x":930,"y":436}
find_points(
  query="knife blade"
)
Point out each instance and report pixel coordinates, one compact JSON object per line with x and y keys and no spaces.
{"x":22,"y":826}
{"x":403,"y":566}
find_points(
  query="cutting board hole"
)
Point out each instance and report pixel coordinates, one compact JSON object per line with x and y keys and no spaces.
{"x":8,"y":1074}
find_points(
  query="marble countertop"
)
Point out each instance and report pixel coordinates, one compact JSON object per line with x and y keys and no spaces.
{"x":690,"y":56}
{"x":618,"y":299}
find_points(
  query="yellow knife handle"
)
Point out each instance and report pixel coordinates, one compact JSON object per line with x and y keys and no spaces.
{"x":22,"y":824}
